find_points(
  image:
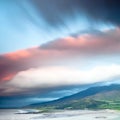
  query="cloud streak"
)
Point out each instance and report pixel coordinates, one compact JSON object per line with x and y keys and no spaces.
{"x":101,"y":10}
{"x":100,"y":43}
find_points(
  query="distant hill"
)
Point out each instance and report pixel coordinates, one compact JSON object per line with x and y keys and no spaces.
{"x":100,"y":97}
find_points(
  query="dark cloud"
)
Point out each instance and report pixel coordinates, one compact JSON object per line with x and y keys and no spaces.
{"x":54,"y":11}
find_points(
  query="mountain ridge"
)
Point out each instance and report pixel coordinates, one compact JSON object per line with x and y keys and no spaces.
{"x":85,"y":95}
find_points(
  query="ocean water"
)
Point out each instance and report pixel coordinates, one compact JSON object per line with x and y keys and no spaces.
{"x":61,"y":115}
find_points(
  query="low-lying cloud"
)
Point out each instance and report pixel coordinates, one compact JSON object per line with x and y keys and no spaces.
{"x":52,"y":77}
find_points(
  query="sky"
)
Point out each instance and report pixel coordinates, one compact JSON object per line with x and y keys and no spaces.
{"x":51,"y":49}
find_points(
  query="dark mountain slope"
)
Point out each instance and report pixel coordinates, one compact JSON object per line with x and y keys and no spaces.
{"x":89,"y":95}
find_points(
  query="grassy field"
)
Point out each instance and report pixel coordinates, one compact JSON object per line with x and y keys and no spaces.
{"x":111,"y":105}
{"x":84,"y":104}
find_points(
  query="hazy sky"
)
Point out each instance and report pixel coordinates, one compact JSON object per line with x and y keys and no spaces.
{"x":52,"y":47}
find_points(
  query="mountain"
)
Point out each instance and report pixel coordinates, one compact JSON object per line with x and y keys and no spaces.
{"x":99,"y":97}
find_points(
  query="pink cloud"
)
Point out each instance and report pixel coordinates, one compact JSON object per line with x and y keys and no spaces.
{"x":88,"y":44}
{"x":59,"y":50}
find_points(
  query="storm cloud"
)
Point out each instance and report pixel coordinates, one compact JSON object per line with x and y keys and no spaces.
{"x":54,"y":11}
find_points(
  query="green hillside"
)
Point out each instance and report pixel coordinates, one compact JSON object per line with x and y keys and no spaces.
{"x":102,"y":97}
{"x":106,"y":100}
